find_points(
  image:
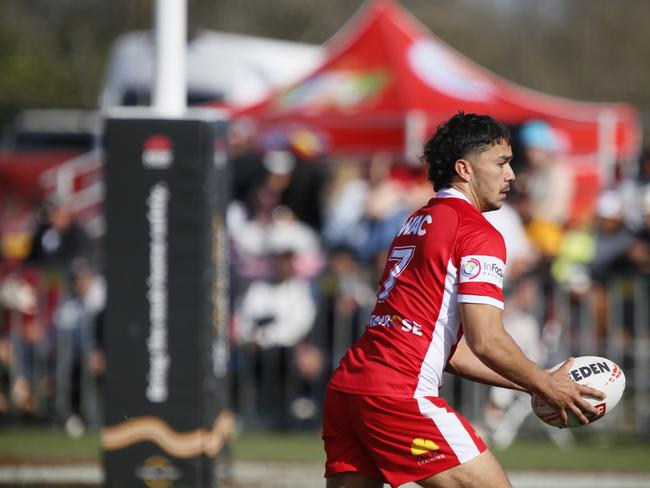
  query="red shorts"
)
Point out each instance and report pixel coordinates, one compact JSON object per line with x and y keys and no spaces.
{"x":395,"y":440}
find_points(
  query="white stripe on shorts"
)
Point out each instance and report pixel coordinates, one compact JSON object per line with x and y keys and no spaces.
{"x":451,"y":428}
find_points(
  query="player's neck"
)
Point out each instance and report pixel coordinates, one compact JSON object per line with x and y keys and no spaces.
{"x":466,"y":190}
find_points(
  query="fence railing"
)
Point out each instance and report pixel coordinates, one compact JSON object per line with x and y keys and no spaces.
{"x":49,"y":335}
{"x":569,"y":326}
{"x":47,"y":372}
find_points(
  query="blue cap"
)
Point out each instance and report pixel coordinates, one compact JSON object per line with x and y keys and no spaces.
{"x":538,"y":134}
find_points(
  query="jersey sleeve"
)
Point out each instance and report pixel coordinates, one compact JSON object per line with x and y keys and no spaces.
{"x":481,"y":258}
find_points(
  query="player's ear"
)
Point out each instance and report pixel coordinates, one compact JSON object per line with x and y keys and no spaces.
{"x":463,"y":169}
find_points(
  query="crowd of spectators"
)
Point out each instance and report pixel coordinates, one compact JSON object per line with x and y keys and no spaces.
{"x":312,"y":232}
{"x":52,"y":300}
{"x":357,"y":205}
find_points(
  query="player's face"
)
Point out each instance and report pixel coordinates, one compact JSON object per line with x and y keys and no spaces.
{"x":492,"y":176}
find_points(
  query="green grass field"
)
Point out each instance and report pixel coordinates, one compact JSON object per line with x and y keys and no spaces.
{"x":43,"y":445}
{"x":625,"y":456}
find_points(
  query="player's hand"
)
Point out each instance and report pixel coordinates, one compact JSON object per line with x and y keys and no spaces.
{"x":566,"y":395}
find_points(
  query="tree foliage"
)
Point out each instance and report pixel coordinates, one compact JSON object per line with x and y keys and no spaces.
{"x":53,"y":53}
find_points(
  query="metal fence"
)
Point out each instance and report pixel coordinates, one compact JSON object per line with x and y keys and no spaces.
{"x":45,"y":354}
{"x":47,"y":339}
{"x":269,"y":389}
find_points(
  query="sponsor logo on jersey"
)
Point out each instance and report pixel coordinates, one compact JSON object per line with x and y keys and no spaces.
{"x":422,"y":446}
{"x":383,"y":321}
{"x":390,"y":321}
{"x":424,"y":451}
{"x":482,"y":269}
{"x":471,"y":268}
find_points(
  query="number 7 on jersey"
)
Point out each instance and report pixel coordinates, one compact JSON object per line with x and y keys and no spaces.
{"x":401,"y":256}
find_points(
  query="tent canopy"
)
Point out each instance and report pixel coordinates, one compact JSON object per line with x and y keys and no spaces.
{"x":386,"y":81}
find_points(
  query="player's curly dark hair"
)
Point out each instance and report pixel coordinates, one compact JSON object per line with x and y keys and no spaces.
{"x":457,"y":138}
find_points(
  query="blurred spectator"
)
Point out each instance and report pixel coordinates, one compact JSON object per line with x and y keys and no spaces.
{"x":58,"y":238}
{"x":551,"y":186}
{"x":249,"y":230}
{"x":75,"y":323}
{"x":256,"y":239}
{"x":418,"y":190}
{"x":18,"y":329}
{"x":299,"y":183}
{"x":29,"y":357}
{"x":633,"y":189}
{"x":290,"y":234}
{"x":26,"y":311}
{"x":31,"y":296}
{"x":545,"y":235}
{"x":639,"y":251}
{"x":345,"y":298}
{"x":253,"y":230}
{"x":271,"y":321}
{"x":384,"y":211}
{"x":611,"y":261}
{"x":277,"y":313}
{"x":345,"y":199}
{"x":522,"y":256}
{"x":570,"y":269}
{"x":246,"y":162}
{"x":613,"y":239}
{"x":17,"y":293}
{"x":16,"y":223}
{"x":544,"y":189}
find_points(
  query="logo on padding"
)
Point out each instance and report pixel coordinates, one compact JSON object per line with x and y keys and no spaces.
{"x":157,"y":152}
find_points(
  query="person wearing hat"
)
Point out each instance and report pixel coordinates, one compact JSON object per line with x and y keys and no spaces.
{"x":551,"y":186}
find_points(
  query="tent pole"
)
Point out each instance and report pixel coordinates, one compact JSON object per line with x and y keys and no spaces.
{"x":607,"y":122}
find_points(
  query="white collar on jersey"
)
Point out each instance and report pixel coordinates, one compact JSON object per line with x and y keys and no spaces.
{"x":450,"y":192}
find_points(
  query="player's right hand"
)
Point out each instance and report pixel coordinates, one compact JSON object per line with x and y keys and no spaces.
{"x":566,"y":395}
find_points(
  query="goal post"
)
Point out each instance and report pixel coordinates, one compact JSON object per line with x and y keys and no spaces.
{"x":166,"y":329}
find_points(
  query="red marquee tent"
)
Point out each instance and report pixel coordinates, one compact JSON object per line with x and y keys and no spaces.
{"x":387,"y":81}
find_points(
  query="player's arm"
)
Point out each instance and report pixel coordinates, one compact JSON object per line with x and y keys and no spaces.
{"x":494,"y":347}
{"x":465,"y":363}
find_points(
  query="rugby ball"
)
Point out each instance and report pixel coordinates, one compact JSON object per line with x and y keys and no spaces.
{"x":596,"y":372}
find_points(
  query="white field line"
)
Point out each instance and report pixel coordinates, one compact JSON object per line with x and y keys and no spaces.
{"x":290,"y":475}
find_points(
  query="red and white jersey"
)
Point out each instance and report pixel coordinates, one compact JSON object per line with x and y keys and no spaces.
{"x":445,"y":253}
